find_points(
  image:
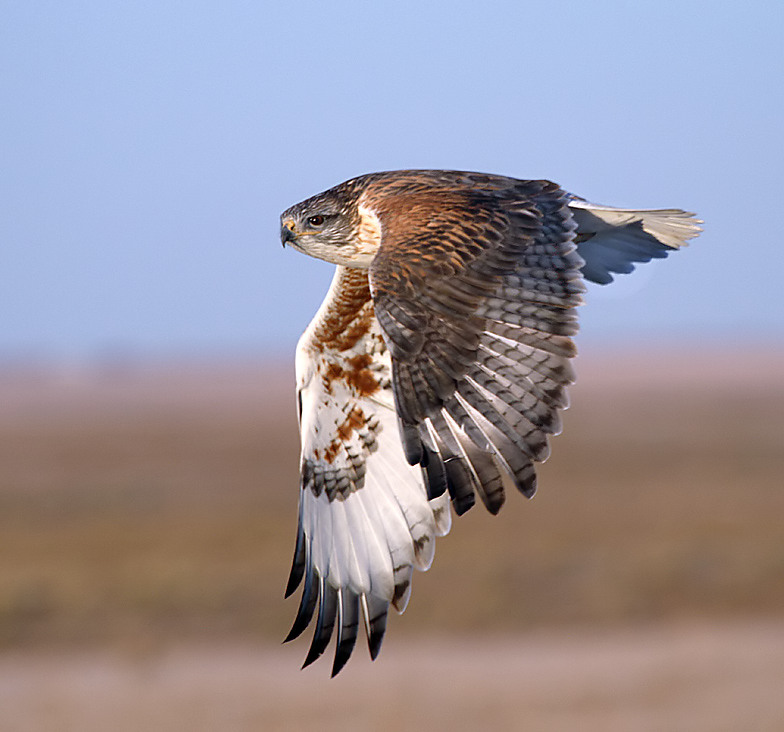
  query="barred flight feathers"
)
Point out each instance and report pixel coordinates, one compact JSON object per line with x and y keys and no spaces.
{"x":436,"y":368}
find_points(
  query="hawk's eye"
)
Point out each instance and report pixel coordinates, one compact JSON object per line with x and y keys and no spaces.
{"x":316,"y":220}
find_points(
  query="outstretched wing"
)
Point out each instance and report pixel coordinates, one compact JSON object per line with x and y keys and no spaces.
{"x":474,"y":287}
{"x":612,"y":240}
{"x":365,"y":521}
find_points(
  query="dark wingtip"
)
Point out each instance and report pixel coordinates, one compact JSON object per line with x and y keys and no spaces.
{"x":376,"y":638}
{"x":493,"y":495}
{"x":326,"y":621}
{"x":294,"y":579}
{"x":298,"y":563}
{"x":435,"y":475}
{"x":347,"y":632}
{"x":307,"y":605}
{"x":312,"y":656}
{"x":495,"y":504}
{"x":296,"y":631}
{"x":376,"y":611}
{"x":412,"y":445}
{"x":528,"y":489}
{"x":460,"y":483}
{"x":462,"y":504}
{"x":293,"y":634}
{"x":525,"y":480}
{"x":342,"y":654}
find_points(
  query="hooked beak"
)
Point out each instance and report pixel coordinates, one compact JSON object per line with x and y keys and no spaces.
{"x":287,"y":232}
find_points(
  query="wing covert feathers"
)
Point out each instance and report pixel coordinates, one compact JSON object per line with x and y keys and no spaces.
{"x":474,"y":290}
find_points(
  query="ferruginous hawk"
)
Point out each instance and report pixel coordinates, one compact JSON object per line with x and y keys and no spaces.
{"x":435,"y":368}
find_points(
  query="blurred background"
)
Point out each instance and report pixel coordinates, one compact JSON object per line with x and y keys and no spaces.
{"x":148,"y":316}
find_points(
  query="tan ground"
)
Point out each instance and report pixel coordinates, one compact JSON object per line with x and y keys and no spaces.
{"x":725,"y":677}
{"x":147,"y":524}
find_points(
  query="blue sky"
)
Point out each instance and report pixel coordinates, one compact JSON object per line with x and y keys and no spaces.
{"x":147,"y":149}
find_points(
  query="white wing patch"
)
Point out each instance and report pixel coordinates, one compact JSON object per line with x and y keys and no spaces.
{"x":364,"y":518}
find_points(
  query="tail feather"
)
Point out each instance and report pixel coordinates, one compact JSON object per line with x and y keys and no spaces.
{"x":612,"y":240}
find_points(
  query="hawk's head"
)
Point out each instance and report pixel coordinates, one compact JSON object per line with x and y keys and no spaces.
{"x":329,"y":226}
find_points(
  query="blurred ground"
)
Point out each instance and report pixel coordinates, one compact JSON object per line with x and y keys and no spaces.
{"x":147,"y":521}
{"x":723,"y":677}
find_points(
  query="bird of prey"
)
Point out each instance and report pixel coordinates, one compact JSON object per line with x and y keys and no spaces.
{"x":435,"y":368}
